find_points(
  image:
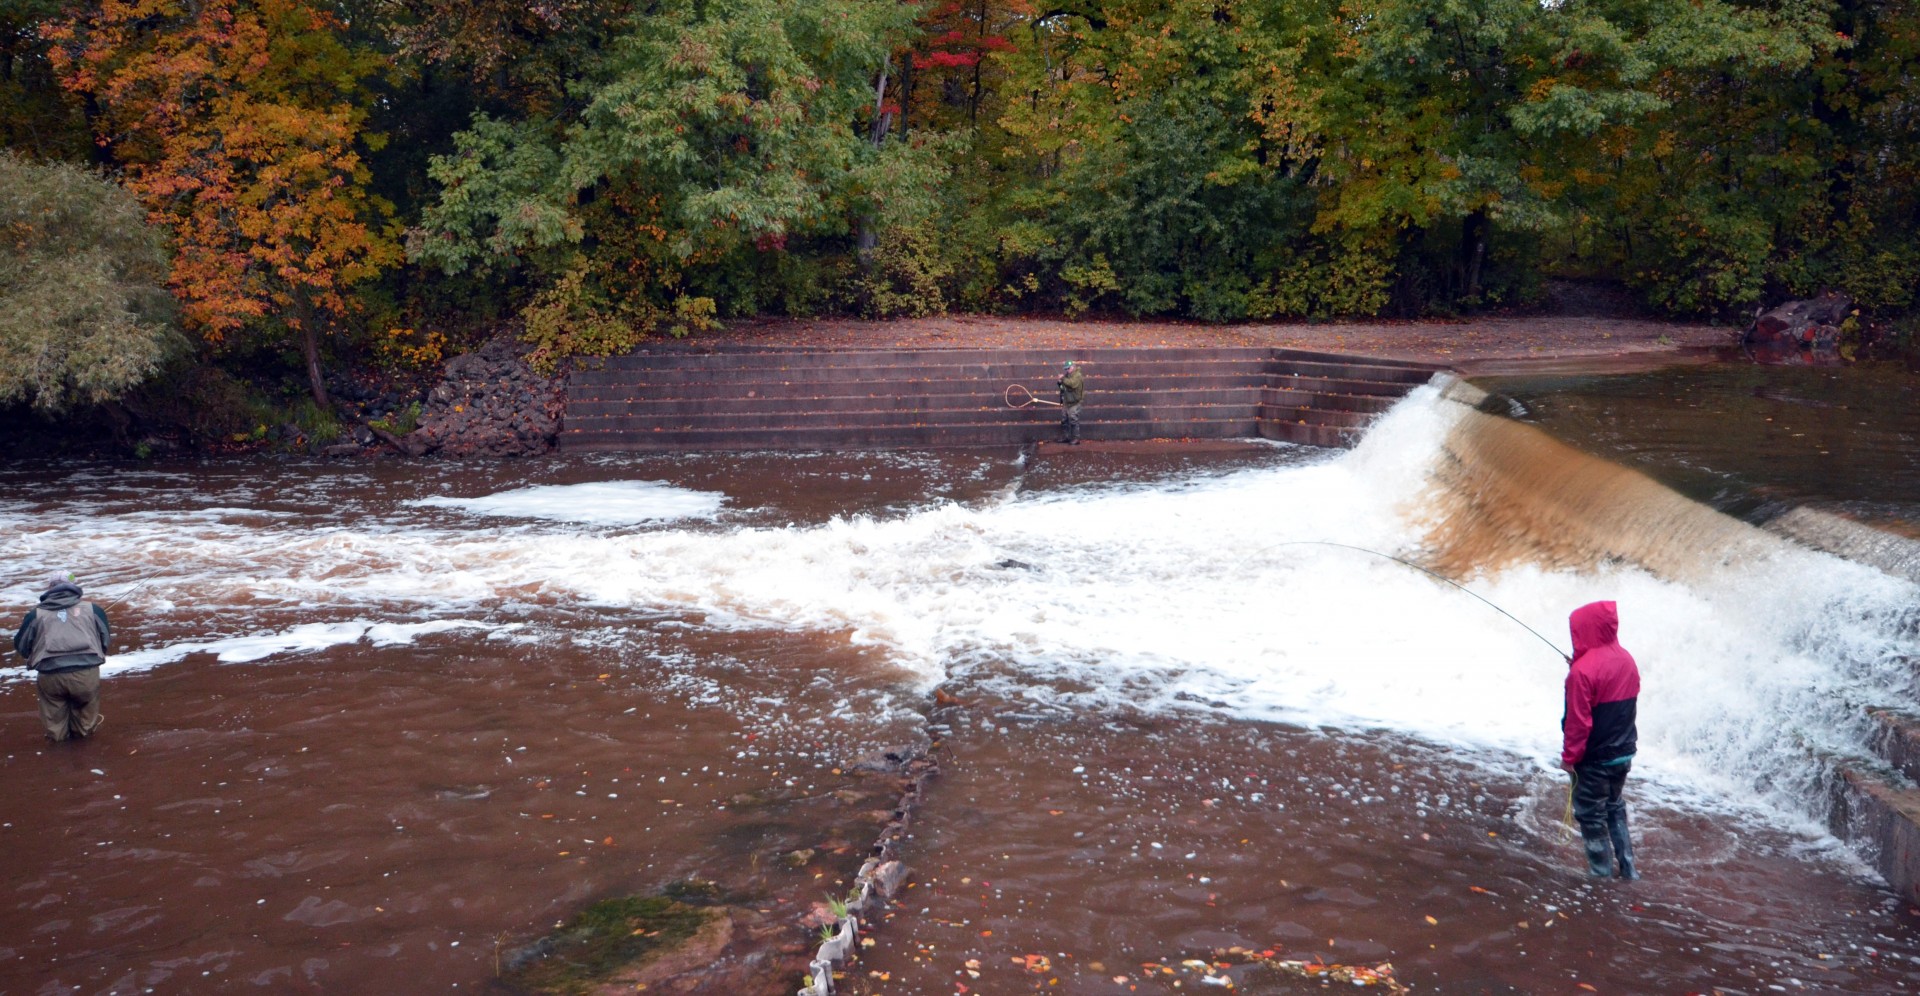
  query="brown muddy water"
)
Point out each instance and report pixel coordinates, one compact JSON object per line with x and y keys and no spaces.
{"x":370,"y":729}
{"x":1745,"y":437}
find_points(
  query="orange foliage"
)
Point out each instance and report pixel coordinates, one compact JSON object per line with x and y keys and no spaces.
{"x":235,"y":124}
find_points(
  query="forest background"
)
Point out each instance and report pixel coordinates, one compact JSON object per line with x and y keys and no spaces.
{"x":216,"y":206}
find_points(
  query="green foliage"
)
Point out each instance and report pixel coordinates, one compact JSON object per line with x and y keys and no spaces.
{"x":83,"y":316}
{"x":572,"y":319}
{"x":317,"y":424}
{"x":1089,"y":282}
{"x":1349,"y":278}
{"x":709,"y":134}
{"x":1168,"y":184}
{"x":903,"y":278}
{"x":401,"y":422}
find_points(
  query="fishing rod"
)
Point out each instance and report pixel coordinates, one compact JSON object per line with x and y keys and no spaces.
{"x":149,"y":579}
{"x":116,"y":601}
{"x":1431,"y":574}
{"x":1573,"y":780}
{"x":142,"y":583}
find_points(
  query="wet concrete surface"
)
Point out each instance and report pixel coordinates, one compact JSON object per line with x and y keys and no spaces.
{"x":1123,"y":847}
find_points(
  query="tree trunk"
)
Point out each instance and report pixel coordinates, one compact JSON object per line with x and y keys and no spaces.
{"x":310,"y":348}
{"x":973,"y":102}
{"x":906,"y":99}
{"x":877,"y":134}
{"x":1473,"y":243}
{"x":100,"y":153}
{"x":119,"y":420}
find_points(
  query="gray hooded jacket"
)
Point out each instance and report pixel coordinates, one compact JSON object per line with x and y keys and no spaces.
{"x":64,"y":633}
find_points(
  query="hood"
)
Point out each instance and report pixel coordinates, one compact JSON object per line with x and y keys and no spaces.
{"x":61,"y":596}
{"x":1595,"y":624}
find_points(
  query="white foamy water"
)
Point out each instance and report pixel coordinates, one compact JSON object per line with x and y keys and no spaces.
{"x":602,"y":503}
{"x":1195,"y":594}
{"x":298,"y":639}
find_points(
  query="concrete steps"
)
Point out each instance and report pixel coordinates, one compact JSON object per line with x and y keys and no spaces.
{"x":796,"y":401}
{"x":897,"y":436}
{"x":881,"y":418}
{"x":1876,"y":806}
{"x":671,"y":356}
{"x":737,"y":398}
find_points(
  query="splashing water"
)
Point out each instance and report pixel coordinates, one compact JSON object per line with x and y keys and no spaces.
{"x":1177,"y":595}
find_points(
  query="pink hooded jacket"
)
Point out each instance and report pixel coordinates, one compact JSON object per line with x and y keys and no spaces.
{"x":1603,"y":688}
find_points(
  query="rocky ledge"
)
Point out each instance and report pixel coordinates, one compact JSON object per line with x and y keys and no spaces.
{"x":489,"y":403}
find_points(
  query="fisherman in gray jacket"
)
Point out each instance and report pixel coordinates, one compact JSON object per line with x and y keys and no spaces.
{"x":65,"y":638}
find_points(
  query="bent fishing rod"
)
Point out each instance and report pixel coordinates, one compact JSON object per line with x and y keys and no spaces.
{"x":1573,"y":779}
{"x":1432,"y":574}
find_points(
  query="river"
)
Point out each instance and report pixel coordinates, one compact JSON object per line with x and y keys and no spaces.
{"x":373,"y":725}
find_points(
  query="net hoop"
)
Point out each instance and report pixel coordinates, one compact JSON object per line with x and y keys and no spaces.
{"x":1017,"y":396}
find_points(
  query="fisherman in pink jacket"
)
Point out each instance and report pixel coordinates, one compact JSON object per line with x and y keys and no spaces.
{"x":1603,"y":683}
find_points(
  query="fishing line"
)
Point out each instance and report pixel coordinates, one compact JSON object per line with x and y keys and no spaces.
{"x":1030,"y":399}
{"x":116,"y":601}
{"x":1431,"y":574}
{"x":142,"y":584}
{"x":1573,"y":779}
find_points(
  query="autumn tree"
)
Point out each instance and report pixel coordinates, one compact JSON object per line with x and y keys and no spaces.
{"x":1461,"y":122}
{"x":950,"y":79}
{"x":36,"y":116}
{"x":1227,"y":158}
{"x":84,"y":313}
{"x":238,"y":125}
{"x":1174,"y":150}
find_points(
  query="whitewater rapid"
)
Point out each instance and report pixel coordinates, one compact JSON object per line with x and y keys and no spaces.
{"x":1177,"y":594}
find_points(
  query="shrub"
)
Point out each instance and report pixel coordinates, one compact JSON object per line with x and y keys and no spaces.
{"x":903,"y":278}
{"x":84,"y":316}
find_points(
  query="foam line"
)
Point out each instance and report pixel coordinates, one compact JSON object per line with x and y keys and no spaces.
{"x":299,"y":639}
{"x":601,"y":503}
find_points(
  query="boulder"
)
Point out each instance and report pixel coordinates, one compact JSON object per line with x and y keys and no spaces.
{"x":889,"y":877}
{"x":887,"y":760}
{"x":1812,"y":322}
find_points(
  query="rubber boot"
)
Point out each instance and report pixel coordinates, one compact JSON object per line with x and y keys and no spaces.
{"x":1599,"y":851}
{"x":1622,"y":844}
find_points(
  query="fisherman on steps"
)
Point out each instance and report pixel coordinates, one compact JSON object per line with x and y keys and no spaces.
{"x":1073,"y":390}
